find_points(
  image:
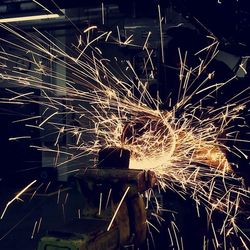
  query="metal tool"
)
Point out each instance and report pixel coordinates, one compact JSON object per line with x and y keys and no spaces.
{"x":114,"y":209}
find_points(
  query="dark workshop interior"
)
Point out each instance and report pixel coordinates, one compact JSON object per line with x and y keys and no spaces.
{"x":61,"y":209}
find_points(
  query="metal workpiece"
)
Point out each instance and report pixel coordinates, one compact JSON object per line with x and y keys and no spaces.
{"x":140,"y":180}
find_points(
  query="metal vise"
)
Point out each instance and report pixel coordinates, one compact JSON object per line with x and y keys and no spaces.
{"x":113,"y":199}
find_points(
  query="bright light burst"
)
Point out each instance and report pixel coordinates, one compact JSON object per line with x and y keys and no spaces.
{"x":183,"y":144}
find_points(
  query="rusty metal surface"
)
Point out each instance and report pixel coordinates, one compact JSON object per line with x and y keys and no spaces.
{"x":141,"y":179}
